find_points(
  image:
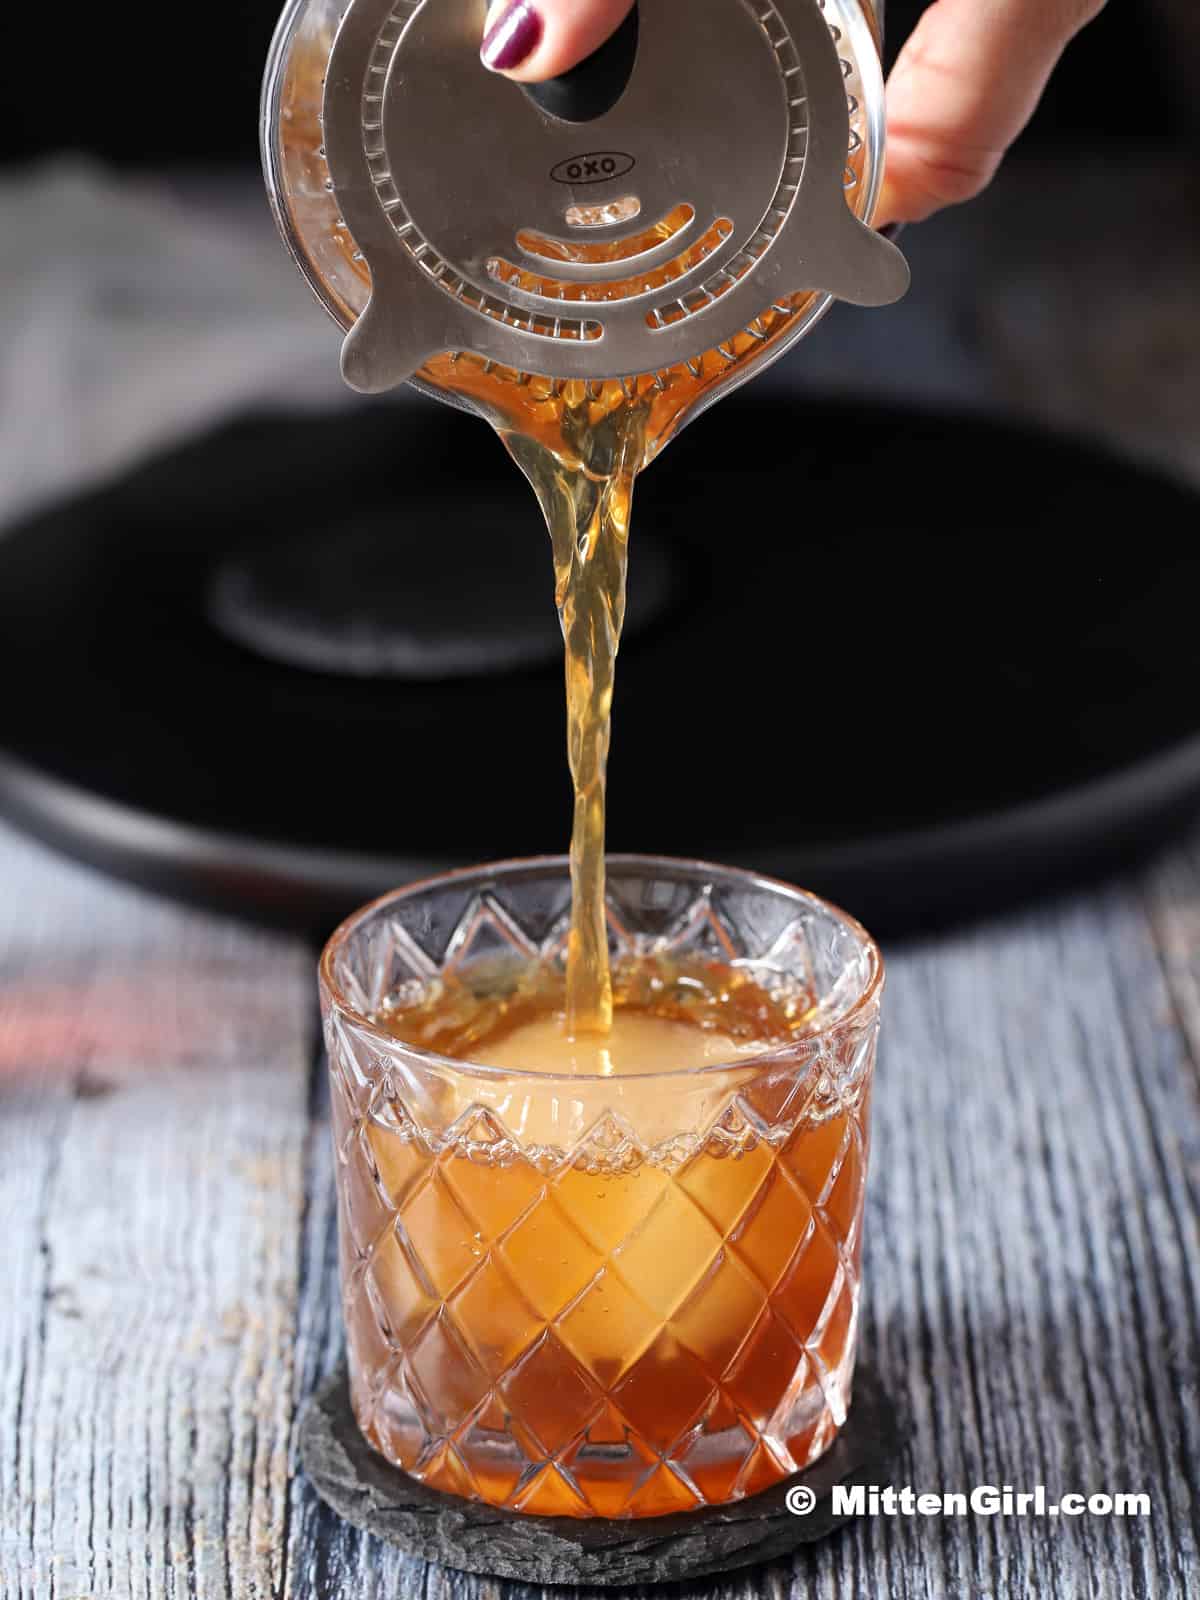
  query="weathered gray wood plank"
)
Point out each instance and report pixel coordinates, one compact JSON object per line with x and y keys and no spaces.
{"x":153,"y":1111}
{"x":1174,"y":900}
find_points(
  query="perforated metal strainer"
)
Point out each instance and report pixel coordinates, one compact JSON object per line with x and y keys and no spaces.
{"x":733,"y":162}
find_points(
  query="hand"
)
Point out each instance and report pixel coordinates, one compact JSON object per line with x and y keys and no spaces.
{"x":965,"y":85}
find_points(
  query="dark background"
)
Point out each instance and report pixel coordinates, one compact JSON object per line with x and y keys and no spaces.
{"x":145,"y":84}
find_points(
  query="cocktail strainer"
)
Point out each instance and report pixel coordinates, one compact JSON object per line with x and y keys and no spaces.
{"x":621,"y":220}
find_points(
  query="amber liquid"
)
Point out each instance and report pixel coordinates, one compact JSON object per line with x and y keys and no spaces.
{"x":546,"y":1332}
{"x":586,"y":492}
{"x":469,"y":1018}
{"x":581,"y":447}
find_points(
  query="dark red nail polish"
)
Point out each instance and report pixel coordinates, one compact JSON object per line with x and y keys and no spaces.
{"x":515,"y":35}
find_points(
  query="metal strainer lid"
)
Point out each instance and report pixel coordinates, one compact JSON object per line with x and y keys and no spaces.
{"x":490,"y":224}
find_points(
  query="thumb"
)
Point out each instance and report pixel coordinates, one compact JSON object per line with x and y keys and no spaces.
{"x":534,"y":39}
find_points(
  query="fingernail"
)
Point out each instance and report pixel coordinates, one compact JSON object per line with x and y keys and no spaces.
{"x":514,"y":36}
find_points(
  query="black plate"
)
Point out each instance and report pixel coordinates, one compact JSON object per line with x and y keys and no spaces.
{"x":921,"y":664}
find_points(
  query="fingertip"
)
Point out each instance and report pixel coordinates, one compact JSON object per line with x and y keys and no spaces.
{"x":531,"y":40}
{"x":512,"y":35}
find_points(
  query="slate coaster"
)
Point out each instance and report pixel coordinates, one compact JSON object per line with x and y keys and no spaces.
{"x":377,"y":1497}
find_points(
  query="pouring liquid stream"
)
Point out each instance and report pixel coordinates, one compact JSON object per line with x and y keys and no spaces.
{"x":587,"y":504}
{"x":581,"y":446}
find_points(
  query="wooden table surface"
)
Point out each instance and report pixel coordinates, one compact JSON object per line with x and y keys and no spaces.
{"x":169,"y":1295}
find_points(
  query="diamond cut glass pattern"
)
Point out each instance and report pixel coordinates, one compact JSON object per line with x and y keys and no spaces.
{"x":615,"y":1297}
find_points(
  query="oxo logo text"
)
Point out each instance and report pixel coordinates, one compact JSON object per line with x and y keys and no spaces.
{"x":597,"y":167}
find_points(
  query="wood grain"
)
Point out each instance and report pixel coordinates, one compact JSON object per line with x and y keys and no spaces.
{"x":1033,"y":1256}
{"x":154,"y":1094}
